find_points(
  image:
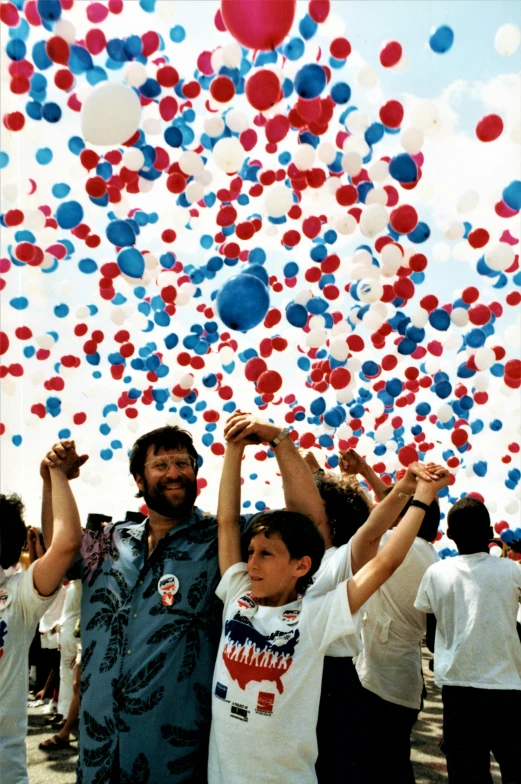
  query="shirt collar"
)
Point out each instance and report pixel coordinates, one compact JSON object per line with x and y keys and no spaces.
{"x":137,"y":530}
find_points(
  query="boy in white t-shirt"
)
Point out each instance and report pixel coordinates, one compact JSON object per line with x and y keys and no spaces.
{"x":477,"y":656}
{"x":24,"y":597}
{"x":267,"y":679}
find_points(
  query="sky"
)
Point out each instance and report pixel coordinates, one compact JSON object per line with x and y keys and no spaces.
{"x":466,"y":83}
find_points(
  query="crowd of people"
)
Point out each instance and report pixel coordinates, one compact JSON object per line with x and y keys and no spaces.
{"x":283,"y":646}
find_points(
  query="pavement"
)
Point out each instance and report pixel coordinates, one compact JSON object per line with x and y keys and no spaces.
{"x":428,"y":761}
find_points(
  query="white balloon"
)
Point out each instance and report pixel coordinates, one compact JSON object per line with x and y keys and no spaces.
{"x":392,"y":256}
{"x":377,"y":196}
{"x":444,"y":413}
{"x":369,"y":290}
{"x":152,"y":126}
{"x":345,"y":396}
{"x":512,"y":507}
{"x":352,"y":163}
{"x":356,"y":143}
{"x":278,"y":201}
{"x":379,"y":171}
{"x":344,"y":224}
{"x":356,"y":122}
{"x":135,"y":74}
{"x":191,"y":163}
{"x":419,"y":318}
{"x":217,"y":59}
{"x":362,"y":256}
{"x":500,"y":256}
{"x":507,"y":39}
{"x":383,"y":434}
{"x":232,"y":55}
{"x":481,"y":382}
{"x":515,"y":133}
{"x":303,"y":297}
{"x":316,"y":322}
{"x":455,"y":230}
{"x":214,"y":126}
{"x":495,"y":551}
{"x":66,"y":30}
{"x":426,"y":117}
{"x":441,"y":252}
{"x":372,"y":320}
{"x":484,"y":358}
{"x":368,"y":77}
{"x":459,"y":317}
{"x":194,"y":192}
{"x":205,"y":178}
{"x":237,"y":121}
{"x":304,"y":158}
{"x":229,"y":154}
{"x":468,"y":201}
{"x":327,"y":152}
{"x":339,"y":349}
{"x":111,"y":114}
{"x":316,"y":338}
{"x":187,"y":380}
{"x":133,"y":159}
{"x":412,"y":140}
{"x":374,"y":220}
{"x":185,"y":293}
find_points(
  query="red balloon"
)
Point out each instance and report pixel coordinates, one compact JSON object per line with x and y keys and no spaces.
{"x":459,"y":437}
{"x":58,"y":50}
{"x":307,"y":440}
{"x":263,"y":89}
{"x":340,"y":378}
{"x":254,"y":368}
{"x":319,"y":10}
{"x":407,"y":454}
{"x":479,"y":315}
{"x":269,"y":381}
{"x":489,"y":128}
{"x":478,"y":238}
{"x":222,"y":89}
{"x":391,"y":54}
{"x":258,"y":24}
{"x":391,"y":114}
{"x":404,"y":219}
{"x":340,"y":48}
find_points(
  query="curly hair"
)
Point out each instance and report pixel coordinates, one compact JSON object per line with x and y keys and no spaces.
{"x":13,"y":533}
{"x":298,"y":533}
{"x":347,"y":505}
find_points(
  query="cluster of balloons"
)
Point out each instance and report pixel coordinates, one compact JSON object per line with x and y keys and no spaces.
{"x":259,"y":159}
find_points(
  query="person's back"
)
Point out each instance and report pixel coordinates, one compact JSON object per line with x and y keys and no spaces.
{"x":475,"y":599}
{"x":477,"y":657}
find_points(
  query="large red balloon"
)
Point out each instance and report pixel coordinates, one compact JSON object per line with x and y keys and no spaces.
{"x":263,"y":89}
{"x":258,"y":24}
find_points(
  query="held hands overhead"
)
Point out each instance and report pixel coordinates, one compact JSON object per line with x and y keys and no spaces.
{"x":63,"y":456}
{"x":243,"y":428}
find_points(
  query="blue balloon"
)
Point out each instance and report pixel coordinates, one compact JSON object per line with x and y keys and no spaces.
{"x":341,"y":92}
{"x":512,"y":195}
{"x":120,"y":233}
{"x":403,"y":168}
{"x":475,"y":338}
{"x":307,"y":27}
{"x":131,"y":262}
{"x":310,"y":81}
{"x":173,"y":136}
{"x":290,"y":269}
{"x":370,"y":368}
{"x":294,"y":49}
{"x":242,"y":302}
{"x":297,"y":315}
{"x":69,"y":214}
{"x":258,"y":271}
{"x":421,"y":233}
{"x":50,"y":10}
{"x":51,"y":112}
{"x":443,"y":389}
{"x":442,"y":39}
{"x":439,"y":319}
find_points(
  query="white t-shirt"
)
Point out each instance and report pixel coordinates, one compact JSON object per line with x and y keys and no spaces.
{"x":267,"y":680}
{"x":334,"y":569}
{"x":392,"y":630}
{"x":21,"y":607}
{"x":475,"y":599}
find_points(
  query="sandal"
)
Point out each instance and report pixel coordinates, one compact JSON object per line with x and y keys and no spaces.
{"x":55,"y":721}
{"x":55,"y":743}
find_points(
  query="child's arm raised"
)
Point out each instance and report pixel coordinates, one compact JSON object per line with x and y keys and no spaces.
{"x":386,"y":562}
{"x":229,"y":508}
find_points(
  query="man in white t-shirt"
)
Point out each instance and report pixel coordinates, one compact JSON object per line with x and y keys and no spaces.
{"x":477,"y":661}
{"x":390,"y":664}
{"x":24,"y":597}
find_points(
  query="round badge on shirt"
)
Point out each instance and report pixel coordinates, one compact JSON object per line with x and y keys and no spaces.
{"x":291,"y":617}
{"x":168,"y":586}
{"x":247,"y":604}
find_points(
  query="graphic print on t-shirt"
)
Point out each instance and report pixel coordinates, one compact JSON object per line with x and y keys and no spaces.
{"x":250,"y":656}
{"x":3,"y":632}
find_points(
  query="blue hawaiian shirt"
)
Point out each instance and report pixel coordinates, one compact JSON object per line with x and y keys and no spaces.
{"x":150,"y":630}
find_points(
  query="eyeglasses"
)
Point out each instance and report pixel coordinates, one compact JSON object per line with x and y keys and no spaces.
{"x":160,"y":465}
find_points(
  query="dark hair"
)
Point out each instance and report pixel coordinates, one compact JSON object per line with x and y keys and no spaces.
{"x":163,"y":437}
{"x":298,"y":533}
{"x":430,"y":522}
{"x":13,"y":533}
{"x":347,"y":506}
{"x":469,"y":525}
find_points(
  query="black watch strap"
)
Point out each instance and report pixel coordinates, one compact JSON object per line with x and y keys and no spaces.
{"x":419,"y":504}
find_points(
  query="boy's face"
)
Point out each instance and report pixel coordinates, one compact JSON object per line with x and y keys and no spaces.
{"x":272,"y":571}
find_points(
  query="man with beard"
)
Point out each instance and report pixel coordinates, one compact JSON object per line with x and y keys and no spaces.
{"x":150,"y":620}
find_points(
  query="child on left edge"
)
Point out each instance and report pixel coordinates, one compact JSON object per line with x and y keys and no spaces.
{"x":267,"y":678}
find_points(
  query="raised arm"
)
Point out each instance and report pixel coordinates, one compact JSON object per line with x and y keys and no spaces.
{"x":50,"y":569}
{"x":74,"y":462}
{"x":364,"y":544}
{"x":352,"y":463}
{"x":300,"y":492}
{"x":229,"y":508}
{"x":386,"y":562}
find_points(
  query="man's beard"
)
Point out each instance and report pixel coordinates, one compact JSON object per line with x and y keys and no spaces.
{"x":170,"y":507}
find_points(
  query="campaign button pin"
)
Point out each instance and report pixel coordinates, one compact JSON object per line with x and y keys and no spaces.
{"x":290,"y":616}
{"x":168,"y":583}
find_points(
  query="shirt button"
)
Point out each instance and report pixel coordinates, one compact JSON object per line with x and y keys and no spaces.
{"x":129,"y":651}
{"x":135,"y":615}
{"x":141,"y":582}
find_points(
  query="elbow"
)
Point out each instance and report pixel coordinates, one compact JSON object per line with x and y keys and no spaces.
{"x":388,"y":564}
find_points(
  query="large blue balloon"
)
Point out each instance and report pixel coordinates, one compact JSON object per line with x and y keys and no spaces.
{"x":69,"y":214}
{"x":131,"y":263}
{"x":121,"y":233}
{"x":242,"y":302}
{"x":310,"y":81}
{"x":442,"y":39}
{"x":403,"y":168}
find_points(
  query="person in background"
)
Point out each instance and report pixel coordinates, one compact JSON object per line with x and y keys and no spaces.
{"x":477,"y":656}
{"x":24,"y":597}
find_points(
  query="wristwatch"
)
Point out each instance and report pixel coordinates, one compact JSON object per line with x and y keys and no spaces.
{"x":281,"y":436}
{"x":419,"y":504}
